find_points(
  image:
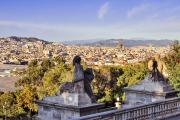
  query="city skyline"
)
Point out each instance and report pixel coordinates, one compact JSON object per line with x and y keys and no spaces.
{"x":77,"y":20}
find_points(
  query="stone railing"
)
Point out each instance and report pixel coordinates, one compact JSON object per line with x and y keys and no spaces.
{"x":155,"y":110}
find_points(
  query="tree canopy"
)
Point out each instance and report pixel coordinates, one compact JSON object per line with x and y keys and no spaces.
{"x":172,"y":60}
{"x":109,"y":81}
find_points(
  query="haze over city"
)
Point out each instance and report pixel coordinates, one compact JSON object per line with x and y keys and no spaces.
{"x":59,"y":20}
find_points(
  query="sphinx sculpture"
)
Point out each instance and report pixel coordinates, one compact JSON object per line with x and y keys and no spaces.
{"x":158,"y":69}
{"x":81,"y":80}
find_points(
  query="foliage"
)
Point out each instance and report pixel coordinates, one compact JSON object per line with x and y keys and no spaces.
{"x":8,"y":105}
{"x":41,"y":79}
{"x":109,"y":81}
{"x":172,"y":61}
{"x":132,"y":74}
{"x":52,"y":79}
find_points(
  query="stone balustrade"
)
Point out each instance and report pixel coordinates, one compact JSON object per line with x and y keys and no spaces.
{"x":155,"y":110}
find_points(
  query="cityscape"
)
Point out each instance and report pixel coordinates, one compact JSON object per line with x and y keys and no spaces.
{"x":89,"y":60}
{"x":17,"y":50}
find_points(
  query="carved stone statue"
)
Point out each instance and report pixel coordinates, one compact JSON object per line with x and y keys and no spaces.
{"x":157,"y":68}
{"x":88,"y":77}
{"x":81,"y":80}
{"x":78,"y":69}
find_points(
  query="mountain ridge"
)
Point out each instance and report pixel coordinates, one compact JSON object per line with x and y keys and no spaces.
{"x":98,"y":42}
{"x":25,"y":39}
{"x":125,"y":42}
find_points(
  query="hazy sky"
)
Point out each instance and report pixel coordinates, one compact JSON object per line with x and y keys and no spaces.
{"x":58,"y":20}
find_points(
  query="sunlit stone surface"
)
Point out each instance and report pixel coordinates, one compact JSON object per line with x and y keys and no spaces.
{"x":147,"y":91}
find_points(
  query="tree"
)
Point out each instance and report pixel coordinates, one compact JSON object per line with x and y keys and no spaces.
{"x":109,"y":81}
{"x":52,"y":79}
{"x":9,"y":106}
{"x":132,"y":74}
{"x":42,"y":78}
{"x":172,"y":60}
{"x":99,"y":84}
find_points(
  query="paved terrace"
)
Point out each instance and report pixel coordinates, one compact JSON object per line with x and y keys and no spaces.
{"x":167,"y":109}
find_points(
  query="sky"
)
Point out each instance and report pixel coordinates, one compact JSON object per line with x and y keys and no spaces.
{"x":59,"y":20}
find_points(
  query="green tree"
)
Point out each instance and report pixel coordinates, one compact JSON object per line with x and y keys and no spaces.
{"x":172,"y":60}
{"x":109,"y":81}
{"x":132,"y":74}
{"x":100,"y":83}
{"x":9,"y":106}
{"x":52,"y":79}
{"x":42,"y":78}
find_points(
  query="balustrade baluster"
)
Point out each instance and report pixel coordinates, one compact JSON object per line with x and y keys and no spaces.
{"x":161,"y":109}
{"x":125,"y":115}
{"x":164,"y":109}
{"x":170,"y":106}
{"x":149,"y":112}
{"x":129,"y":115}
{"x":136,"y":114}
{"x":176,"y":104}
{"x":121,"y":116}
{"x":146,"y":112}
{"x":173,"y":107}
{"x":154,"y":113}
{"x":141,"y":113}
{"x":158,"y":109}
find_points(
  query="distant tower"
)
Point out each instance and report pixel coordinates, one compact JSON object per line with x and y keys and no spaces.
{"x":120,"y":46}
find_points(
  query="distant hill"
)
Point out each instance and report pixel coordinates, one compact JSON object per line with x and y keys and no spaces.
{"x":81,"y":42}
{"x":114,"y":42}
{"x":26,"y":39}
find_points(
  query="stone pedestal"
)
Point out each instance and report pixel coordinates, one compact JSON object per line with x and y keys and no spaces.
{"x":76,"y":99}
{"x":147,"y":91}
{"x":67,"y":106}
{"x":56,"y":111}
